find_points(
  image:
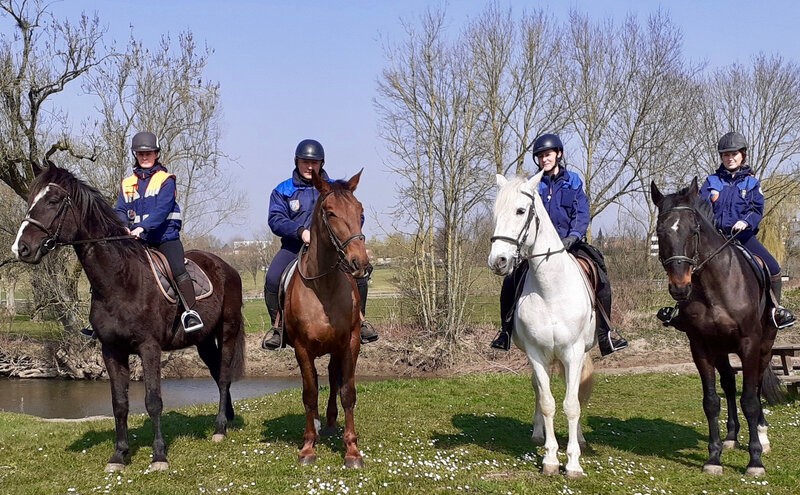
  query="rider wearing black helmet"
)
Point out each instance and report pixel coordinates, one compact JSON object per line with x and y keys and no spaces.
{"x":561,"y":191}
{"x":738,"y":204}
{"x":155,"y":216}
{"x":290,"y":208}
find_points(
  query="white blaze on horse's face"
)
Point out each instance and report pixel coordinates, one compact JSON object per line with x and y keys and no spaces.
{"x":675,"y":225}
{"x":25,"y":223}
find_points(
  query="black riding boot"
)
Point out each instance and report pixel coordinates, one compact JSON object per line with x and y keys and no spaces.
{"x":368,"y":333}
{"x":605,"y":340}
{"x":273,"y":339}
{"x":190,"y":319}
{"x":502,"y":340}
{"x":781,"y":316}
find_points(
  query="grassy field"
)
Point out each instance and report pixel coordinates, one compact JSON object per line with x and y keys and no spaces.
{"x":647,"y":434}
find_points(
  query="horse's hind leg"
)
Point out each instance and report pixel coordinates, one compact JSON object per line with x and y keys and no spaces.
{"x":335,"y":381}
{"x":310,"y":401}
{"x":727,"y":380}
{"x":118,"y":367}
{"x":210,"y":354}
{"x":751,"y":407}
{"x":537,"y":436}
{"x":151,"y":368}
{"x":710,"y":407}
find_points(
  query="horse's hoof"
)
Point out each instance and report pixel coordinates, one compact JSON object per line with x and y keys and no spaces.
{"x":730,"y":444}
{"x":329,"y":431}
{"x":353,"y":462}
{"x":217,"y":437}
{"x":765,"y":448}
{"x":549,"y":469}
{"x":113,"y":467}
{"x":755,"y":471}
{"x":159,"y":466}
{"x":712,"y":469}
{"x":572,"y":474}
{"x":306,"y":460}
{"x":537,"y":440}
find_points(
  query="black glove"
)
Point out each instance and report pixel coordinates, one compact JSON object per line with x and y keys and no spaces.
{"x":569,"y":241}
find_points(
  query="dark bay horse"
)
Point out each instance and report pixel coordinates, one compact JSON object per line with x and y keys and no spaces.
{"x":322,"y":310}
{"x":721,"y":310}
{"x":128,"y":312}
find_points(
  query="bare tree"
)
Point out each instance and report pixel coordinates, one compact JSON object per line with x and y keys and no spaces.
{"x":431,"y":120}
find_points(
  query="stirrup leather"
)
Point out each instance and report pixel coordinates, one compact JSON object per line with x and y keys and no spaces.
{"x":189,"y":313}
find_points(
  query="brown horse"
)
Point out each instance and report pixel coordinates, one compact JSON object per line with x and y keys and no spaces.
{"x":128,"y":312}
{"x":322,"y":310}
{"x":723,"y":310}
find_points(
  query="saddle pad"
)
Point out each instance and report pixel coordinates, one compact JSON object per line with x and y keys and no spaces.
{"x":201,"y":283}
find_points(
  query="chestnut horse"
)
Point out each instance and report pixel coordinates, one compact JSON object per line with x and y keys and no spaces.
{"x":723,"y":310}
{"x":128,"y":312}
{"x":322,"y":310}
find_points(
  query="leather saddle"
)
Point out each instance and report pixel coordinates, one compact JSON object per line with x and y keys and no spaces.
{"x":165,"y":281}
{"x":761,"y":272}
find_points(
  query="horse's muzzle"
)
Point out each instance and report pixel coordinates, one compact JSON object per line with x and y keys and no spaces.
{"x":680,"y":292}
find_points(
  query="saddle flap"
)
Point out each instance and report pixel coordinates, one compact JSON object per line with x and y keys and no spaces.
{"x":165,"y":280}
{"x":590,"y":270}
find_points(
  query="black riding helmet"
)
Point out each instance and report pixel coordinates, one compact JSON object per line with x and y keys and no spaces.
{"x":732,"y":141}
{"x":309,"y":149}
{"x":145,"y":141}
{"x":546,"y":142}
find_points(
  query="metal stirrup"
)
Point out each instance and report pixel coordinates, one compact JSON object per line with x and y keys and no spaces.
{"x":185,"y":317}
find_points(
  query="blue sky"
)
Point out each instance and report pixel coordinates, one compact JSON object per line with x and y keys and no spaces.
{"x":308,"y":69}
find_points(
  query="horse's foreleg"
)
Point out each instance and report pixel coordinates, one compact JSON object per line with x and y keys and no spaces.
{"x":727,"y":380}
{"x":335,"y":381}
{"x":352,"y":457}
{"x":118,"y":367}
{"x":211,"y":356}
{"x":151,"y":368}
{"x":710,"y":407}
{"x":537,"y":437}
{"x":751,"y":407}
{"x":573,"y":364}
{"x":310,"y":398}
{"x":548,"y":408}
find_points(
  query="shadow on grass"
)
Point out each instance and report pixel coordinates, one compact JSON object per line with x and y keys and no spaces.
{"x":289,"y":429}
{"x":641,"y":436}
{"x":173,"y":424}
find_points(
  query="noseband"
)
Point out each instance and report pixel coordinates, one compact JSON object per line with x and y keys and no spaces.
{"x":519,"y":241}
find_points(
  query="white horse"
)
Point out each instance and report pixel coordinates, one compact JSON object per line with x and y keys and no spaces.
{"x":554,"y":320}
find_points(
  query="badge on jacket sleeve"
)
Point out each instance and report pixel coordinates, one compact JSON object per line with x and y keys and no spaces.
{"x":294,"y":204}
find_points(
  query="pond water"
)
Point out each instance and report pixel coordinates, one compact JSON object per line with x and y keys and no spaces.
{"x":82,"y":398}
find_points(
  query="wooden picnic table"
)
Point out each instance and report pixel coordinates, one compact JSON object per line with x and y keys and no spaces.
{"x":785,"y":351}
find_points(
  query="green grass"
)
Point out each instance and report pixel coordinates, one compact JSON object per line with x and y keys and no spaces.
{"x":647,"y":434}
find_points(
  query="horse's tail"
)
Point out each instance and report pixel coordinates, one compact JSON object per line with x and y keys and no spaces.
{"x":771,"y":387}
{"x":237,"y":363}
{"x":587,"y":379}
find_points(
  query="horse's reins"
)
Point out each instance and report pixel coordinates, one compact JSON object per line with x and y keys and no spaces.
{"x":693,"y":261}
{"x":337,"y":244}
{"x":519,"y":241}
{"x":51,"y":242}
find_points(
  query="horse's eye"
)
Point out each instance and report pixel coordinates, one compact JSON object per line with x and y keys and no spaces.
{"x":520,"y":211}
{"x":54,"y":201}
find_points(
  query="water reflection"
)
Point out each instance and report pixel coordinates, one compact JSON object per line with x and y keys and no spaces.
{"x":82,"y":398}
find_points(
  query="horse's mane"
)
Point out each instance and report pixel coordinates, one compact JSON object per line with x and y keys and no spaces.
{"x":89,"y":203}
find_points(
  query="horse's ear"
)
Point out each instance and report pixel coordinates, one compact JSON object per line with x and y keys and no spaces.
{"x":500,"y":180}
{"x":353,"y":182}
{"x":658,"y":198}
{"x":320,"y":183}
{"x":693,"y":188}
{"x":37,"y":169}
{"x":534,"y":181}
